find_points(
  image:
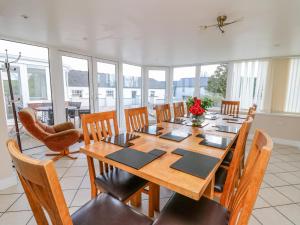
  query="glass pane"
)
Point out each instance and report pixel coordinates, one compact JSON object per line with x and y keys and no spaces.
{"x":156,"y":89}
{"x":37,"y":83}
{"x":183,"y":82}
{"x":76,"y":84}
{"x":106,"y":83}
{"x":213,"y":82}
{"x":132,"y":86}
{"x":31,"y":85}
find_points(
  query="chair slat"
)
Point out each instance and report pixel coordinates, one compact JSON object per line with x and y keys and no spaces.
{"x":136,"y":118}
{"x":163,"y":113}
{"x":230,"y":107}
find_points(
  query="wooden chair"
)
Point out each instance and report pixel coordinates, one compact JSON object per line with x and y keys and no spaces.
{"x":118,"y":183}
{"x":237,"y":208}
{"x":226,"y":176}
{"x":230,"y":107}
{"x":252,"y":111}
{"x":178,"y":108}
{"x":136,"y":118}
{"x":163,"y":113}
{"x":41,"y":186}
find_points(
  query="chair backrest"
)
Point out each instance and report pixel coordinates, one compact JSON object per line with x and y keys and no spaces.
{"x":244,"y":196}
{"x":230,"y":107}
{"x":37,"y":129}
{"x":252,"y":111}
{"x":98,"y":126}
{"x":41,"y":186}
{"x":234,"y":167}
{"x":178,"y":108}
{"x":136,"y":118}
{"x":163,"y":113}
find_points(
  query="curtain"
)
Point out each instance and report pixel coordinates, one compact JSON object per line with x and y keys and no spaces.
{"x":293,"y":95}
{"x":247,"y":82}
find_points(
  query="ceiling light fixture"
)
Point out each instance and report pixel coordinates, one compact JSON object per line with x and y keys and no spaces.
{"x":24,"y":16}
{"x":221,"y":23}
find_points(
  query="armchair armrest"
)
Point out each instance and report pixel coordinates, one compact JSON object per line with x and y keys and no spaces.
{"x":62,"y":140}
{"x":63,"y":126}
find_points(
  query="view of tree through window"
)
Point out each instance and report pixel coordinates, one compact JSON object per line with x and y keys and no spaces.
{"x":213,"y":82}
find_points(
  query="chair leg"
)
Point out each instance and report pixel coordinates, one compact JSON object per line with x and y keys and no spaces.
{"x":64,"y":153}
{"x":136,"y":200}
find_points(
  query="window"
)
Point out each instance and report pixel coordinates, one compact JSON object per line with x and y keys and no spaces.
{"x":152,"y":94}
{"x":77,"y":93}
{"x":293,"y":95}
{"x":109,"y":93}
{"x":183,"y":82}
{"x":76,"y":81}
{"x":156,"y":89}
{"x":247,"y":82}
{"x":31,"y":85}
{"x":213,"y":81}
{"x":106,"y":87}
{"x":37,"y":83}
{"x":132,"y":86}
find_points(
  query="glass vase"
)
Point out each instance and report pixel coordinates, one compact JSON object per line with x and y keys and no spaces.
{"x":197,"y":120}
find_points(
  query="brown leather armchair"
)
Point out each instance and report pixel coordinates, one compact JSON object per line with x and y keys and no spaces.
{"x":57,"y":138}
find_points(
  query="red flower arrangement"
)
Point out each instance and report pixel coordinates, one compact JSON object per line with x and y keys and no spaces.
{"x":196,"y":108}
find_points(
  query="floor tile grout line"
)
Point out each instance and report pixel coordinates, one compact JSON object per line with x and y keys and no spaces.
{"x":12,"y":205}
{"x":71,"y":202}
{"x":286,"y":195}
{"x":284,"y":215}
{"x":257,"y":219}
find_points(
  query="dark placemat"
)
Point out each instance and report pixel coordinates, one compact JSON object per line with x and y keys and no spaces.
{"x":153,"y":130}
{"x":157,"y":152}
{"x":134,"y":158}
{"x":235,"y":121}
{"x":211,"y":117}
{"x":177,"y":120}
{"x":212,"y":113}
{"x":175,"y":136}
{"x":240,"y":116}
{"x":193,"y":163}
{"x":230,"y":118}
{"x":227,"y":129}
{"x":122,"y":140}
{"x":216,"y":141}
{"x":189,"y":123}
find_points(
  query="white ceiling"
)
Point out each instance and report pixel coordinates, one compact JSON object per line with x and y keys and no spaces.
{"x":157,"y":32}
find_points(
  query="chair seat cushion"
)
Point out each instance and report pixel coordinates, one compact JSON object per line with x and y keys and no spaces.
{"x":106,"y":210}
{"x":228,"y":158}
{"x":119,"y":183}
{"x":181,"y":210}
{"x":220,"y":179}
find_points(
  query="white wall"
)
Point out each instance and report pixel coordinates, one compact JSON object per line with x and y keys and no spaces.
{"x":284,"y":129}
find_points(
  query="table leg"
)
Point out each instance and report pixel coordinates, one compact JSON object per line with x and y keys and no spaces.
{"x":151,"y":200}
{"x":209,"y":192}
{"x":156,"y":196}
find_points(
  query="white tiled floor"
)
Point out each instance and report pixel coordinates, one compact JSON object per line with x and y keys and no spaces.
{"x":278,"y":201}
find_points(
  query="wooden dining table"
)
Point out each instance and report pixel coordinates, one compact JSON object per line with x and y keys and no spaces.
{"x":159,"y":171}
